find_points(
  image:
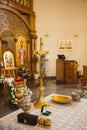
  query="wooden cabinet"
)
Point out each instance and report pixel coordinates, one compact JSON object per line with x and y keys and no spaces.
{"x":70,"y":71}
{"x":66,"y":71}
{"x":59,"y":71}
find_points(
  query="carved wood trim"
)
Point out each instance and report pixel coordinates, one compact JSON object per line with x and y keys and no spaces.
{"x":19,"y":7}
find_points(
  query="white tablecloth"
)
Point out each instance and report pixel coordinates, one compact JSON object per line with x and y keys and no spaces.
{"x":72,"y":116}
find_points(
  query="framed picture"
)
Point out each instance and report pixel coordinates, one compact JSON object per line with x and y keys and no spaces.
{"x":8,"y":59}
{"x":65,"y":44}
{"x":21,"y":51}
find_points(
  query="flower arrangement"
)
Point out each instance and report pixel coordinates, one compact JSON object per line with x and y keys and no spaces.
{"x":1,"y":80}
{"x":28,"y":92}
{"x":12,"y":90}
{"x":25,"y":73}
{"x":9,"y":80}
{"x":12,"y":98}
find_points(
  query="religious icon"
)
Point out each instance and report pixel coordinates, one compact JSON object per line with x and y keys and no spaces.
{"x":8,"y":59}
{"x":22,"y":53}
{"x":65,"y":44}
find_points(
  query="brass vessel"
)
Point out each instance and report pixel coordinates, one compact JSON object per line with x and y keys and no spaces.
{"x":26,"y":101}
{"x":19,"y":90}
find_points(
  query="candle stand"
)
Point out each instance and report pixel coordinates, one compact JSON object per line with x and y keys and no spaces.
{"x":41,"y":100}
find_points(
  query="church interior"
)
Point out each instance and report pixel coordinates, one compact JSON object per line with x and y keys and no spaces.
{"x":43,"y":64}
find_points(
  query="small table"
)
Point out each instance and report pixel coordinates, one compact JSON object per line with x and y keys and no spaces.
{"x":71,"y":116}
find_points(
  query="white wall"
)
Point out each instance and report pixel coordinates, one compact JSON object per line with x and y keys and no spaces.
{"x":62,"y":19}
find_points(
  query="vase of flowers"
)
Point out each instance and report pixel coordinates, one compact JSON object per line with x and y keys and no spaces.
{"x":12,"y":98}
{"x":25,"y":73}
{"x":11,"y":90}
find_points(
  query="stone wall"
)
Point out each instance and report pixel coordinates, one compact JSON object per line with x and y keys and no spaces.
{"x":9,"y":20}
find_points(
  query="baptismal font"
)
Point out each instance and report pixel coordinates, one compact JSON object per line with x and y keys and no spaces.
{"x":41,"y":53}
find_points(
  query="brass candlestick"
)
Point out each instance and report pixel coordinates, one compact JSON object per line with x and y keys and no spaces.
{"x":41,"y":100}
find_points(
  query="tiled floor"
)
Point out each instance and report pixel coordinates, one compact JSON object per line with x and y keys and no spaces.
{"x":50,"y":87}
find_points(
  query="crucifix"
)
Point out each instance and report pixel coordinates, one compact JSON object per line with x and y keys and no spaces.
{"x":41,"y":100}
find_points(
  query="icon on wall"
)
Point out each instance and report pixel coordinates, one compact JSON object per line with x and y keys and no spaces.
{"x":21,"y":51}
{"x":65,"y":44}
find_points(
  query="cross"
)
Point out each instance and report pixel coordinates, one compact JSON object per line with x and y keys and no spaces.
{"x":41,"y":101}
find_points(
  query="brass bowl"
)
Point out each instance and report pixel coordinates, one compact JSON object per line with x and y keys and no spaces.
{"x":61,"y":99}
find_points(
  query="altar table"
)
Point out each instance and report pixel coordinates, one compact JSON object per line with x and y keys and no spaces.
{"x":71,"y":116}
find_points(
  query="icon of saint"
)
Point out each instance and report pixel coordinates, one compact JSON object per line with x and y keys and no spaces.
{"x":22,"y":53}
